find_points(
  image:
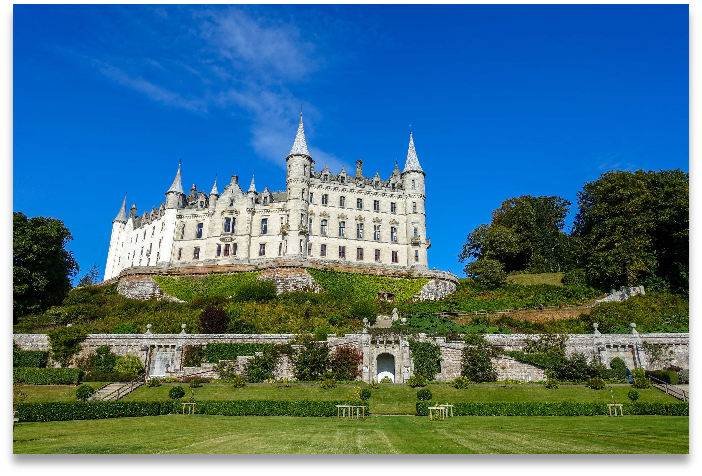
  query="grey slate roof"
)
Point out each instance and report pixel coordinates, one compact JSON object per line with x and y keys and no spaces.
{"x":300,"y":145}
{"x":122,"y":215}
{"x":412,"y":162}
{"x":177,"y":185}
{"x":214,"y":188}
{"x":252,"y":187}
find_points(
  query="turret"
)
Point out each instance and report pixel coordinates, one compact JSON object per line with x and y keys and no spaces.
{"x":175,"y":197}
{"x":118,"y":225}
{"x":413,"y":185}
{"x":251,"y":194}
{"x":300,"y":166}
{"x":214,"y":195}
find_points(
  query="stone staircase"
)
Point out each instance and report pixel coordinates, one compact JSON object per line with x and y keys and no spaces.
{"x":115,"y":391}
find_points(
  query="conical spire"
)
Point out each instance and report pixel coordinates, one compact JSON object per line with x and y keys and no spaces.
{"x":177,"y":185}
{"x":252,"y":187}
{"x":214,"y":187}
{"x":300,"y":145}
{"x":412,"y":163}
{"x":122,"y":215}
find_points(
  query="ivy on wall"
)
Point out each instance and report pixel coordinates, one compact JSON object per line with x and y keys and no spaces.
{"x":426,"y":357}
{"x":367,"y":287}
{"x":189,"y":288}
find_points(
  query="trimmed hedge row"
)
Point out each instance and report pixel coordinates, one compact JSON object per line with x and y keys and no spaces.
{"x":62,"y":411}
{"x":29,"y":358}
{"x":557,"y":409}
{"x":36,"y":376}
{"x":214,"y":352}
{"x":667,"y":376}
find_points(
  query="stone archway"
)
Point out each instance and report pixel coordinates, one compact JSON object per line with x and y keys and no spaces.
{"x":385,"y":367}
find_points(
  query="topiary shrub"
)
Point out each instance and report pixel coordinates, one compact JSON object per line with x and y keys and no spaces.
{"x":386,"y":380}
{"x":619,"y":367}
{"x":375,"y":385}
{"x":640,"y":381}
{"x":417,"y":381}
{"x":84,"y":392}
{"x":176,"y":393}
{"x":328,"y":383}
{"x":633,"y":395}
{"x":238,"y":381}
{"x":596,"y":383}
{"x":213,"y":320}
{"x":424,"y":394}
{"x":153,"y":383}
{"x":195,"y":383}
{"x":552,"y":383}
{"x":461,"y":382}
{"x":365,"y":394}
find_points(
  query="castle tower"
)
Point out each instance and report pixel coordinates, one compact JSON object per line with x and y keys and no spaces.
{"x":175,"y":196}
{"x":118,"y":225}
{"x":214,"y":195}
{"x":298,"y":184}
{"x":413,"y":184}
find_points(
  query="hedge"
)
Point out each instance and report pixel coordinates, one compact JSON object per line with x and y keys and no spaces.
{"x":216,"y":352}
{"x":62,"y":411}
{"x":667,"y":376}
{"x":29,"y":358}
{"x":556,"y":409}
{"x":35,"y":376}
{"x":106,"y":377}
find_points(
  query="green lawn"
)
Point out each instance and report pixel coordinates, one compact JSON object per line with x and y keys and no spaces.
{"x":539,"y":278}
{"x":55,"y":393}
{"x":401,"y":399}
{"x":221,"y":434}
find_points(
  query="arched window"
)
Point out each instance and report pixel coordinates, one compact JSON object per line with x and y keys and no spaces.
{"x":323,"y":230}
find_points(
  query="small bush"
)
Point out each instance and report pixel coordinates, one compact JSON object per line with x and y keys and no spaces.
{"x":176,"y":393}
{"x":238,"y":381}
{"x":364,"y":309}
{"x":104,"y":360}
{"x":259,"y":291}
{"x":170,"y":380}
{"x":130,"y":365}
{"x":365,"y":394}
{"x":125,"y":328}
{"x":154,"y":382}
{"x":195,"y":383}
{"x":213,"y":320}
{"x":619,"y":368}
{"x":596,"y":383}
{"x":460,"y":382}
{"x":375,"y":385}
{"x":345,"y":361}
{"x":633,"y":395}
{"x":417,"y":381}
{"x":328,"y":383}
{"x":84,"y":392}
{"x":424,"y":395}
{"x":487,"y":272}
{"x":552,"y":383}
{"x":386,"y":380}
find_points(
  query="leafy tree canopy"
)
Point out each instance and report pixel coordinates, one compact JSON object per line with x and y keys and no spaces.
{"x":42,"y":268}
{"x":525,"y":233}
{"x":633,"y":228}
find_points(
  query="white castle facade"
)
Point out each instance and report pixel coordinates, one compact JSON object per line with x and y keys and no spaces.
{"x":329,"y":218}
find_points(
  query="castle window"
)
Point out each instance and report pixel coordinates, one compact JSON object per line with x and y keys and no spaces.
{"x":265,"y":200}
{"x":323,"y":250}
{"x":414,"y":207}
{"x":234,"y":247}
{"x":359,"y":254}
{"x":393,"y":207}
{"x":323,"y":229}
{"x":158,"y":256}
{"x":304,"y":169}
{"x":376,"y":184}
{"x":416,"y":255}
{"x":196,"y":253}
{"x":280,"y":249}
{"x":219,"y":250}
{"x":139,"y":261}
{"x":159,"y":242}
{"x":182,"y":231}
{"x":303,"y":195}
{"x":359,"y":231}
{"x":153,"y":230}
{"x":144,"y":234}
{"x":377,"y":255}
{"x":231,"y":202}
{"x":309,"y":249}
{"x":412,"y":184}
{"x":310,"y":226}
{"x":342,"y":229}
{"x":393,"y":186}
{"x":226,"y":249}
{"x":199,"y":231}
{"x":394,"y":257}
{"x":393,"y":234}
{"x":227,"y":225}
{"x":325,"y":198}
{"x":180,"y":253}
{"x":150,"y":245}
{"x":300,"y":246}
{"x":142,"y":251}
{"x":302,"y":218}
{"x":311,"y":196}
{"x":262,"y":249}
{"x":326,"y":177}
{"x":376,"y":232}
{"x":233,"y":225}
{"x":162,"y":225}
{"x":342,"y":201}
{"x":264,"y":226}
{"x":359,"y":203}
{"x":342,"y":252}
{"x":416,"y":234}
{"x":343,"y":179}
{"x":202,"y":204}
{"x":376,"y":205}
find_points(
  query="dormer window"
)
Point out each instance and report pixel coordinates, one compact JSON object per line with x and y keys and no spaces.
{"x":343,"y":179}
{"x":393,"y":186}
{"x":265,"y":200}
{"x":202,"y":204}
{"x":231,"y":202}
{"x":326,"y":177}
{"x":376,"y":184}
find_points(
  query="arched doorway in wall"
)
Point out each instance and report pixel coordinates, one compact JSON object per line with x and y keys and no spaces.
{"x":386,"y":367}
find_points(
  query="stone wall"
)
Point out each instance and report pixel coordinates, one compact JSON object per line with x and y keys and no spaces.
{"x":605,"y":347}
{"x":623,"y":294}
{"x":137,"y":283}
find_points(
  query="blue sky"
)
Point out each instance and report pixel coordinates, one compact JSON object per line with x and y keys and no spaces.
{"x":504,"y":100}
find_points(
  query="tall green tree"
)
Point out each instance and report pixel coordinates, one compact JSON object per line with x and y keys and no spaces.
{"x":633,"y":228}
{"x":42,"y":268}
{"x":525,"y":233}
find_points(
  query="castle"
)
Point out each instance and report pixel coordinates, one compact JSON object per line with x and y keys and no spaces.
{"x":329,"y":218}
